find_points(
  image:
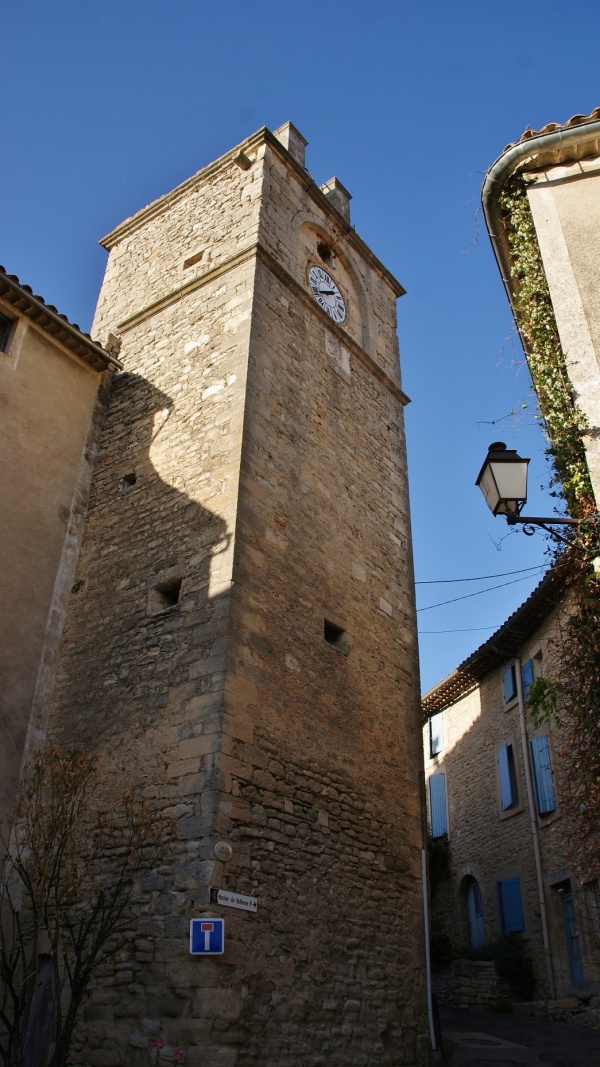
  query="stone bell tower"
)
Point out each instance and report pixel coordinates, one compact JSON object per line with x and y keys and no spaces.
{"x":241,"y":637}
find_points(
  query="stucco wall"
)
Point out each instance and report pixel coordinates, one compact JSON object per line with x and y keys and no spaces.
{"x":565,"y":204}
{"x":48,"y":400}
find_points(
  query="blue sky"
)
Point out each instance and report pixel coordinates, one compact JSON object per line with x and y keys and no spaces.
{"x":110,"y":104}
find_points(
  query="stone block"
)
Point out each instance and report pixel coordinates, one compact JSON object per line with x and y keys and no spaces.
{"x":218,"y":1004}
{"x":165,"y":1006}
{"x":217,"y":1056}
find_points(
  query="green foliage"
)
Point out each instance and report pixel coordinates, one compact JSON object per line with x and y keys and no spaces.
{"x":562,"y":419}
{"x":442,"y":948}
{"x":569,"y":695}
{"x":569,"y":698}
{"x":542,"y":701}
{"x":513,"y":964}
{"x":439,"y":861}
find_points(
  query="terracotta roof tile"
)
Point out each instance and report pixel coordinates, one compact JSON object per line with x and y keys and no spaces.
{"x":551,"y":127}
{"x":46,"y":316}
{"x":505,"y":642}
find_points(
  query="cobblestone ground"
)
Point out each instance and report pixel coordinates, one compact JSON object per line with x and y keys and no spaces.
{"x":483,"y":1039}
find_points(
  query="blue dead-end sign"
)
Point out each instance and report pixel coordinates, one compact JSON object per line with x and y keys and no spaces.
{"x":207,"y":937}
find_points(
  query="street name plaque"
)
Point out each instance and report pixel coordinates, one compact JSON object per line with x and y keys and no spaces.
{"x":233,"y":900}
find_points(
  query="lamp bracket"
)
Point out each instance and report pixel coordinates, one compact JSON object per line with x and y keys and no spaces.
{"x":513,"y":518}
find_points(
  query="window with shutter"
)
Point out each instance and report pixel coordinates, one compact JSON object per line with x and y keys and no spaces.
{"x":527,"y":675}
{"x":437,"y":805}
{"x":509,"y":904}
{"x":436,"y":733}
{"x":509,"y":683}
{"x":508,"y":778}
{"x":541,"y":765}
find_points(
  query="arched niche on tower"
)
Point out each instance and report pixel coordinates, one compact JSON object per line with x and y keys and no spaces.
{"x":326,"y":248}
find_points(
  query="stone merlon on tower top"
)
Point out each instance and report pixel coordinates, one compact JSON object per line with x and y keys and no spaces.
{"x":292,"y":139}
{"x":338,"y":195}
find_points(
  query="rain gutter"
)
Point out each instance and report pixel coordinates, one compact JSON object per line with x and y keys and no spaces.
{"x":504,"y":168}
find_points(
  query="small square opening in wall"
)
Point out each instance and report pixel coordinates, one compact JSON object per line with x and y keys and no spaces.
{"x":127,"y":482}
{"x":164,"y":596}
{"x":335,"y":635}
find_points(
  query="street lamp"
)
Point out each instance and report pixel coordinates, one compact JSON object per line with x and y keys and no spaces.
{"x":503,"y":482}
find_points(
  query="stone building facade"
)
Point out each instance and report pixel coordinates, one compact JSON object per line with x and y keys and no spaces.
{"x":491,"y":788}
{"x":52,"y":380}
{"x":241,"y":641}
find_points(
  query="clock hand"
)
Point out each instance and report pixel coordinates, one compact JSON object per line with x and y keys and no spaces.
{"x":327,"y":292}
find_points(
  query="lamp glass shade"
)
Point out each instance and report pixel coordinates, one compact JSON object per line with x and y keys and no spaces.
{"x":503,"y":480}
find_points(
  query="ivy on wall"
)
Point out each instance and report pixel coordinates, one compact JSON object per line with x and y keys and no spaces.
{"x":532,"y":303}
{"x":569,"y":694}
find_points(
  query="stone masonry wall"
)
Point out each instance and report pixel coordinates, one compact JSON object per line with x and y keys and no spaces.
{"x":268,"y":463}
{"x":325,"y":974}
{"x":180,"y":239}
{"x":489,"y":844}
{"x":144,"y":687}
{"x":321,"y":514}
{"x":472,"y":985}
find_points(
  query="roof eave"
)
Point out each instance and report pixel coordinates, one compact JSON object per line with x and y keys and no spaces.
{"x":57,"y":326}
{"x":503,"y":645}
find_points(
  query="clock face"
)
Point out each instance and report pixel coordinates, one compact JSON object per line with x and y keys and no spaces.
{"x":327,"y":294}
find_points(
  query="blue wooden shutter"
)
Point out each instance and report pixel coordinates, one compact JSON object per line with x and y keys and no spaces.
{"x":506,"y":771}
{"x":527,"y":675}
{"x":511,"y":909}
{"x":437,"y":805}
{"x":509,"y":684}
{"x":542,"y":774}
{"x":436,"y":733}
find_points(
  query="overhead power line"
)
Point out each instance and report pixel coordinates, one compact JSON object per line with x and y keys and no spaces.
{"x":481,"y":578}
{"x":467,"y":596}
{"x":467,"y":630}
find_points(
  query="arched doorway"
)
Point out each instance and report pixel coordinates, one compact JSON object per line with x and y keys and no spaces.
{"x":474,"y":910}
{"x":569,"y":917}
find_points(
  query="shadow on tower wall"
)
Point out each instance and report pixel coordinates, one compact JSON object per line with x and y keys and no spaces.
{"x":143,"y":635}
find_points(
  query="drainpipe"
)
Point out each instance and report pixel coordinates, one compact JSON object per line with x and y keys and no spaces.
{"x":427,"y":955}
{"x":534,"y":828}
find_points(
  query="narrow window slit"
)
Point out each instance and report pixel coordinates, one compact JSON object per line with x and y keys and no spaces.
{"x":192,"y":260}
